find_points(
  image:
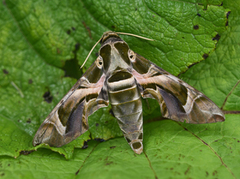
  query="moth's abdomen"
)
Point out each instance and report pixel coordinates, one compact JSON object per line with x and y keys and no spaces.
{"x":125,"y":99}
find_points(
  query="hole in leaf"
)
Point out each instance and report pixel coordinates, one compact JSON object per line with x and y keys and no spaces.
{"x":47,"y":97}
{"x":196,"y":27}
{"x":217,"y":37}
{"x":205,"y":55}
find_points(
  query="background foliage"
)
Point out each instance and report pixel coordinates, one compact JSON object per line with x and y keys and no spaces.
{"x":42,"y":44}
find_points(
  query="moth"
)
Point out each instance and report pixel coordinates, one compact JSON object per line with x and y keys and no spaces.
{"x":122,"y":77}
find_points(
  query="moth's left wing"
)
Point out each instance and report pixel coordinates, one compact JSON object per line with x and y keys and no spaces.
{"x":69,"y":119}
{"x":178,"y":100}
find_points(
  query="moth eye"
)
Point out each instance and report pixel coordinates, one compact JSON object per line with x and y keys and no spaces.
{"x":99,"y":62}
{"x":131,"y":55}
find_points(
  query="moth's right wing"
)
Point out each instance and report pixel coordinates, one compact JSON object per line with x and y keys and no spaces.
{"x":69,"y":119}
{"x":178,"y":100}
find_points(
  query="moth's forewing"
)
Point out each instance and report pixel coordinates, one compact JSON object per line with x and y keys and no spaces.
{"x":69,"y":119}
{"x":178,"y":100}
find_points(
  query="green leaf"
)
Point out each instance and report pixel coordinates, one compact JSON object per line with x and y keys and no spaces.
{"x":43,"y":42}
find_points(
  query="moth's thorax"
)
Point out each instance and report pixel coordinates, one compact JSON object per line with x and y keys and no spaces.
{"x":114,"y":52}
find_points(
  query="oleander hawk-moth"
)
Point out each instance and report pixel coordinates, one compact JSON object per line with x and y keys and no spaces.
{"x":121,"y":77}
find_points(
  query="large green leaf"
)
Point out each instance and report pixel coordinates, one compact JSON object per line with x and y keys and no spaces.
{"x":42,"y":42}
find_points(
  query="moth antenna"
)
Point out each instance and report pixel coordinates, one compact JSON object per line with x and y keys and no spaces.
{"x":90,"y":52}
{"x":141,"y":37}
{"x":121,"y":33}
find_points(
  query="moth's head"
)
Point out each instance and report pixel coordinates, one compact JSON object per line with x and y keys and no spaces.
{"x":110,"y":41}
{"x":109,"y":36}
{"x":114,"y":52}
